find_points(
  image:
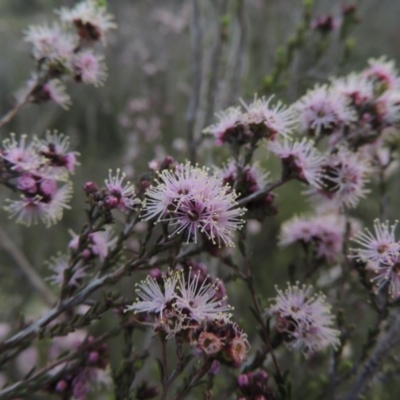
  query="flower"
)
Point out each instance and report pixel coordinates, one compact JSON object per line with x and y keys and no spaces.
{"x":382,"y":73}
{"x":153,"y":298}
{"x":325,"y":24}
{"x":226,"y":127}
{"x":54,"y":148}
{"x":344,"y":175}
{"x":52,"y":90}
{"x":300,"y":159}
{"x":120,"y":195}
{"x":90,"y":68}
{"x":47,"y":207}
{"x":91,"y":20}
{"x":102,"y":242}
{"x":323,"y":111}
{"x":252,"y":177}
{"x":376,"y":247}
{"x":387,"y":272}
{"x":51,"y":45}
{"x":63,"y":274}
{"x":356,"y":87}
{"x":304,"y":319}
{"x":193,"y":202}
{"x":19,"y":154}
{"x":388,"y":108}
{"x":199,"y":301}
{"x":278,"y":120}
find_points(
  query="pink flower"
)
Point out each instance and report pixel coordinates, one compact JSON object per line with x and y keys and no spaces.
{"x":325,"y":232}
{"x":90,"y":68}
{"x":252,"y":177}
{"x":47,"y":207}
{"x":198,"y":301}
{"x":226,"y":126}
{"x":19,"y":154}
{"x":323,"y":111}
{"x":51,"y":45}
{"x":122,"y":195}
{"x":153,"y":298}
{"x":304,"y":319}
{"x":194,"y":203}
{"x":52,"y":90}
{"x":90,"y":18}
{"x":277,"y":119}
{"x":59,"y":266}
{"x":102,"y":242}
{"x":54,"y":149}
{"x":382,"y":73}
{"x":378,"y":246}
{"x":388,"y":108}
{"x":344,"y":176}
{"x":356,"y":87}
{"x":387,"y":272}
{"x":300,"y":159}
{"x":325,"y":24}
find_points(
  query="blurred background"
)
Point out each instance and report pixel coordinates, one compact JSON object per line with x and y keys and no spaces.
{"x":164,"y":57}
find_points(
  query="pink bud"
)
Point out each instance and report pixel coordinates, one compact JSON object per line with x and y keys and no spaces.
{"x":94,"y":357}
{"x":61,"y":386}
{"x":111,"y":202}
{"x":90,"y":187}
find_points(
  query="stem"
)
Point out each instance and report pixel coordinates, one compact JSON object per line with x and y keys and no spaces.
{"x":14,"y":111}
{"x":164,"y":367}
{"x":196,"y":377}
{"x":196,"y":85}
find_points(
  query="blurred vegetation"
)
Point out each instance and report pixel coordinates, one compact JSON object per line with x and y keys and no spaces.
{"x":140,"y":114}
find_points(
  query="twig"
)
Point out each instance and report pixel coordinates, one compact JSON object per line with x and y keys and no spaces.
{"x":196,"y":86}
{"x":33,"y":277}
{"x":14,"y":111}
{"x":262,"y":192}
{"x":383,"y":349}
{"x":27,"y":98}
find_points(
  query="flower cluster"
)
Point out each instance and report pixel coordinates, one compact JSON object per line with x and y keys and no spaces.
{"x":64,"y":50}
{"x":35,"y":170}
{"x":192,"y":202}
{"x":356,"y":108}
{"x":380,"y":252}
{"x":189,"y":302}
{"x":117,"y":194}
{"x":257,"y":120}
{"x":304,"y":320}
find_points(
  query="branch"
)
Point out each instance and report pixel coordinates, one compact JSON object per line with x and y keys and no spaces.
{"x":33,"y":277}
{"x":262,"y":192}
{"x":383,"y":349}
